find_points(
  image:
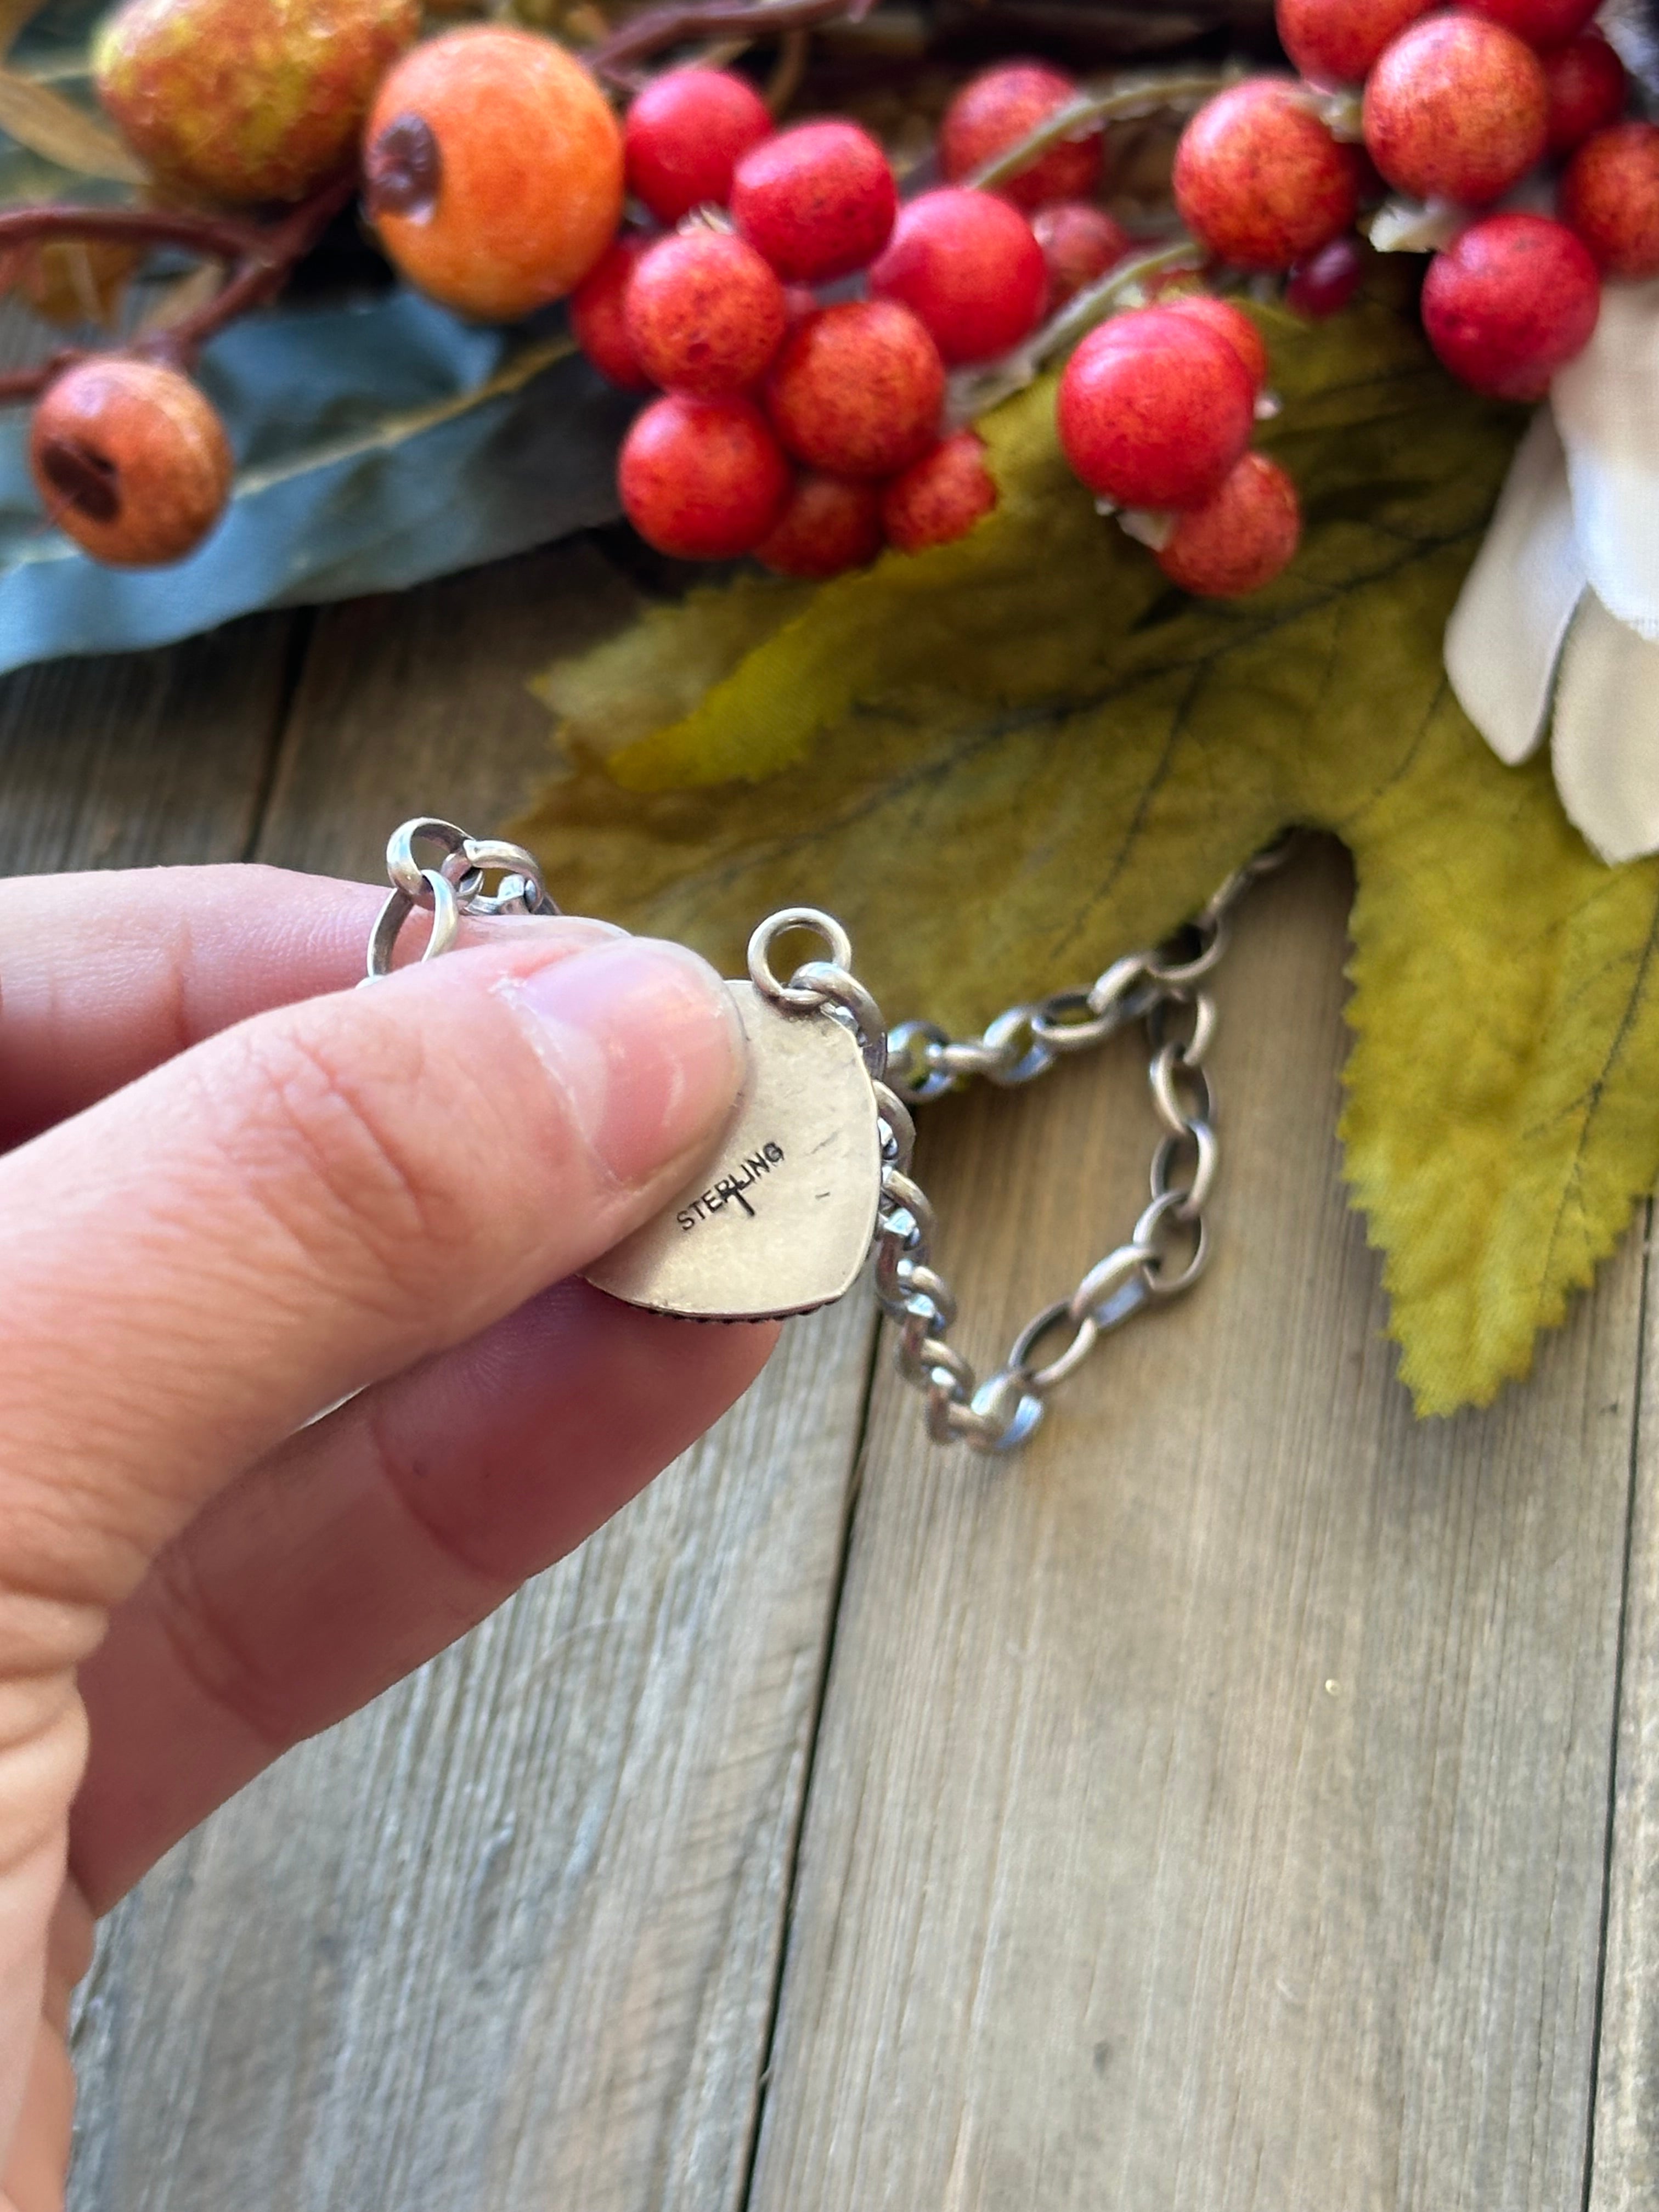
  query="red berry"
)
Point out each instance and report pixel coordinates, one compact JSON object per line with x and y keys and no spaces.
{"x":685,"y":133}
{"x":597,"y":314}
{"x":967,"y":265}
{"x":856,"y":389}
{"x":941,"y":496}
{"x":1260,"y":180}
{"x":1231,"y":323}
{"x":1154,"y":409}
{"x":1587,"y":87}
{"x":1514,"y":298}
{"x":130,"y":460}
{"x":818,"y":201}
{"x":829,"y":525}
{"x":1240,"y":538}
{"x":704,"y":313}
{"x":995,"y":110}
{"x":1080,"y":242}
{"x":1610,"y":195}
{"x":1456,"y":109}
{"x":1336,"y":41}
{"x":1324,"y":284}
{"x":1544,"y":24}
{"x":701,"y":479}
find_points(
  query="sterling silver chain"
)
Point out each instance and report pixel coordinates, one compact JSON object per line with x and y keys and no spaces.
{"x":1168,"y":1246}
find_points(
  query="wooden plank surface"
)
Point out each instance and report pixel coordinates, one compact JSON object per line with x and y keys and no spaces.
{"x":1210,"y":1811}
{"x":153,"y":756}
{"x":513,"y":1935}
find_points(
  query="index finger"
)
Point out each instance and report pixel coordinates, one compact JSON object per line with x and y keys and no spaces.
{"x":105,"y":976}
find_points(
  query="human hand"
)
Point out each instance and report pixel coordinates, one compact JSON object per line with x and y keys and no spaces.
{"x":227,"y":1204}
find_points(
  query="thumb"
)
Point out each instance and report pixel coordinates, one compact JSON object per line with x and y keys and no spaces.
{"x":313,"y":1201}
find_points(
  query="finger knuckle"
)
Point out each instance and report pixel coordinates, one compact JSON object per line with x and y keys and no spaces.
{"x":340,"y":1151}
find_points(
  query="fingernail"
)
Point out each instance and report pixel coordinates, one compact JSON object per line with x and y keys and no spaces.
{"x":644,"y":1040}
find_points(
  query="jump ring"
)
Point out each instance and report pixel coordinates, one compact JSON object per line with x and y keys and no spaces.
{"x":766,"y":935}
{"x":405,"y":871}
{"x":399,"y":905}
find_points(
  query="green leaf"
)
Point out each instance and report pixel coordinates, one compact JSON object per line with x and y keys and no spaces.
{"x":1004,"y":761}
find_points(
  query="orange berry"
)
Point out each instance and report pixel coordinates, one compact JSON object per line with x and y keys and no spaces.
{"x":130,"y":461}
{"x":493,"y":170}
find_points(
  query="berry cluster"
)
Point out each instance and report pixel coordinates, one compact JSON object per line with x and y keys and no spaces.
{"x":799,"y":324}
{"x":796,"y":325}
{"x":1156,"y":409}
{"x":1455,"y":109}
{"x":806,"y":429}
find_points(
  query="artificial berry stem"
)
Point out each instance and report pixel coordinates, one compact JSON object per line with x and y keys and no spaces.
{"x":1127,"y":99}
{"x":680,"y":20}
{"x":260,"y":260}
{"x":259,"y":273}
{"x":975,"y":394}
{"x":221,"y":238}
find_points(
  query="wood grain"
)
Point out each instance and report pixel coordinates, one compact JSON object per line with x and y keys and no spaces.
{"x":1624,"y":2167}
{"x":420,"y":705}
{"x":143,"y":757}
{"x":1209,"y":1812}
{"x":512,"y":1936}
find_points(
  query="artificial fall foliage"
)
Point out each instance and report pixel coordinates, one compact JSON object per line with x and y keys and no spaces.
{"x":1004,"y":761}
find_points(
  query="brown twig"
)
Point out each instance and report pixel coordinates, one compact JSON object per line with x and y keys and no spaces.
{"x":257,"y":276}
{"x":680,"y":20}
{"x":259,"y":259}
{"x":222,"y":238}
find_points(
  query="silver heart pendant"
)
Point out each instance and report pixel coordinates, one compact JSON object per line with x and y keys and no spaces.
{"x":780,"y":1221}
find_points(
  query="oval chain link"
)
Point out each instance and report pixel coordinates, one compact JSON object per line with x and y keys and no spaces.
{"x":1168,"y":1247}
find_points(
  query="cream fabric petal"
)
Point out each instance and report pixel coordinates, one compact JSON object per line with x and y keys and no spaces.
{"x":1605,"y":749}
{"x":1517,"y":601}
{"x":1606,"y":406}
